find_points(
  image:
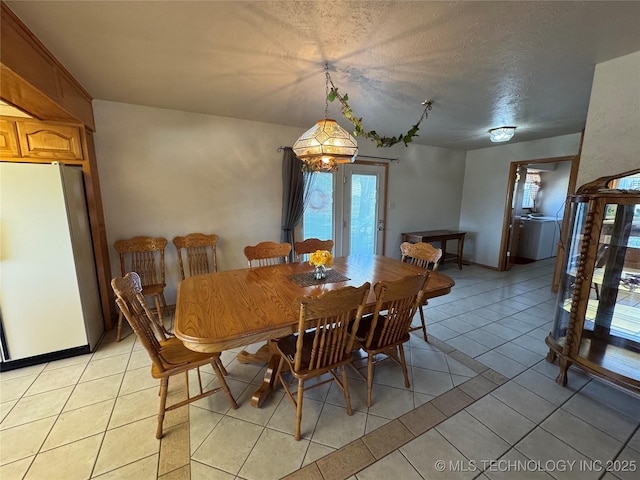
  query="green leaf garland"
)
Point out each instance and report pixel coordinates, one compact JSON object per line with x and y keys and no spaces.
{"x":359,"y":130}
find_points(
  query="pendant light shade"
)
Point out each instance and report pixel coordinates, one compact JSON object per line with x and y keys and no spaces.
{"x":326,"y":144}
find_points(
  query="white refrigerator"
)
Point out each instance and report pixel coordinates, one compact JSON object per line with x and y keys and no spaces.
{"x":49,"y":300}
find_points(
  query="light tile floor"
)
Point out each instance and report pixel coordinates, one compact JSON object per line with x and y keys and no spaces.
{"x":94,"y":416}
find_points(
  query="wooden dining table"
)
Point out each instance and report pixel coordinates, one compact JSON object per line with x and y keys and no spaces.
{"x":235,"y":308}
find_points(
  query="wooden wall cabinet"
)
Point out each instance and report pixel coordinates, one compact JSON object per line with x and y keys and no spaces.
{"x":60,"y":142}
{"x":8,"y":139}
{"x":23,"y":138}
{"x":597,"y":318}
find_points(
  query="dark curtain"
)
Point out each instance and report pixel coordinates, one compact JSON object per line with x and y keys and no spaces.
{"x":296,"y":187}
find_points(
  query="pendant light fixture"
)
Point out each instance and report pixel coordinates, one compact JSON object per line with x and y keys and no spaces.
{"x":326,"y":144}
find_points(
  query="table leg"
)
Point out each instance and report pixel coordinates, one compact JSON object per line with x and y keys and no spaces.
{"x":260,"y":395}
{"x":443,"y":246}
{"x":460,"y":246}
{"x":265,"y":354}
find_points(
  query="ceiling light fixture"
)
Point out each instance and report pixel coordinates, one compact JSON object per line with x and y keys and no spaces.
{"x":326,"y":144}
{"x":502,"y":134}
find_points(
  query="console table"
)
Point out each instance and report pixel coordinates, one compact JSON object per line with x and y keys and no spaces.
{"x":441,"y":236}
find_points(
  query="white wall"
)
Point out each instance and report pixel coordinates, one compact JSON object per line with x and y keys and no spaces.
{"x":612,"y":134}
{"x":553,"y":191}
{"x":485,"y":191}
{"x":167,"y":173}
{"x":425,"y":191}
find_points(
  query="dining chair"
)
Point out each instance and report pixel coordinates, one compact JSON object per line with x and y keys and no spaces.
{"x":145,"y":256}
{"x":322,"y":343}
{"x":423,"y":255}
{"x":310,"y":245}
{"x":200,"y":250}
{"x":267,"y":253}
{"x":168,"y":354}
{"x":385,"y":331}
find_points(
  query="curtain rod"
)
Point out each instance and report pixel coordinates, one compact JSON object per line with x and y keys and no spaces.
{"x":361,"y":156}
{"x":379,"y":158}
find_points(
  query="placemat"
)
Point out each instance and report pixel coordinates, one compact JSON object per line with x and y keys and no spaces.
{"x":306,"y":279}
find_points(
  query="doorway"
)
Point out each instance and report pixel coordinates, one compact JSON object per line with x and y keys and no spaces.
{"x":348,"y":206}
{"x":522,"y":216}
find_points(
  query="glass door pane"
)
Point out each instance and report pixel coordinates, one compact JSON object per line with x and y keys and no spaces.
{"x":348,"y":207}
{"x":567,"y":281}
{"x":616,"y":276}
{"x":362,"y":210}
{"x":364,"y":199}
{"x":318,"y":216}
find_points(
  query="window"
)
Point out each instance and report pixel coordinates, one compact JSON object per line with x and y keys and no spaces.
{"x":531,"y":188}
{"x":632,"y":182}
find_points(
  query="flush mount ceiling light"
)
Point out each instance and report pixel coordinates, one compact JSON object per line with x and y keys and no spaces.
{"x":502,"y":134}
{"x":326,"y":144}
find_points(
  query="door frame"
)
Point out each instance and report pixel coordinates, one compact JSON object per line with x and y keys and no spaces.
{"x":385,"y":193}
{"x":515,"y":225}
{"x":508,"y":216}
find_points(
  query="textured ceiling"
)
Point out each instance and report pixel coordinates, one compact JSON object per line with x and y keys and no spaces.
{"x":484,"y":64}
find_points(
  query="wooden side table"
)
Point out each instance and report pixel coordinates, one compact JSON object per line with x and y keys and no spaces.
{"x":441,"y":236}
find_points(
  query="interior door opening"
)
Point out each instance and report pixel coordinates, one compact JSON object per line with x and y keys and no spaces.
{"x":534,"y":210}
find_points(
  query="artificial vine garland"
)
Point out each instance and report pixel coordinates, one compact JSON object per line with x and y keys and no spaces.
{"x":373,"y":135}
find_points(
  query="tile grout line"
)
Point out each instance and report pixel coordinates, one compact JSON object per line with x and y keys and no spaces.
{"x":438,"y":344}
{"x":486,"y":373}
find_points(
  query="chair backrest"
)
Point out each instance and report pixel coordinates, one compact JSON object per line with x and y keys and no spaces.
{"x":399,"y":300}
{"x":128,"y":291}
{"x":201,"y":253}
{"x":424,"y":255}
{"x":267,"y":253}
{"x":329,"y":316}
{"x":310,"y":245}
{"x":145,"y":256}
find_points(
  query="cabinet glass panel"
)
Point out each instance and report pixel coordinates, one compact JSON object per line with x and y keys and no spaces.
{"x":568,"y":280}
{"x":615,"y":309}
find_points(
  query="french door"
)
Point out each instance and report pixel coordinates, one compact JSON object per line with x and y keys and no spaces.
{"x":348,"y":206}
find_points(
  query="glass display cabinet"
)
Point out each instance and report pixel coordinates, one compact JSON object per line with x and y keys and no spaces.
{"x":597,"y":317}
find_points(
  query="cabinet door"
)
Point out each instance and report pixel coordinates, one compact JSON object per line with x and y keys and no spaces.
{"x":8,"y":139}
{"x":38,"y":140}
